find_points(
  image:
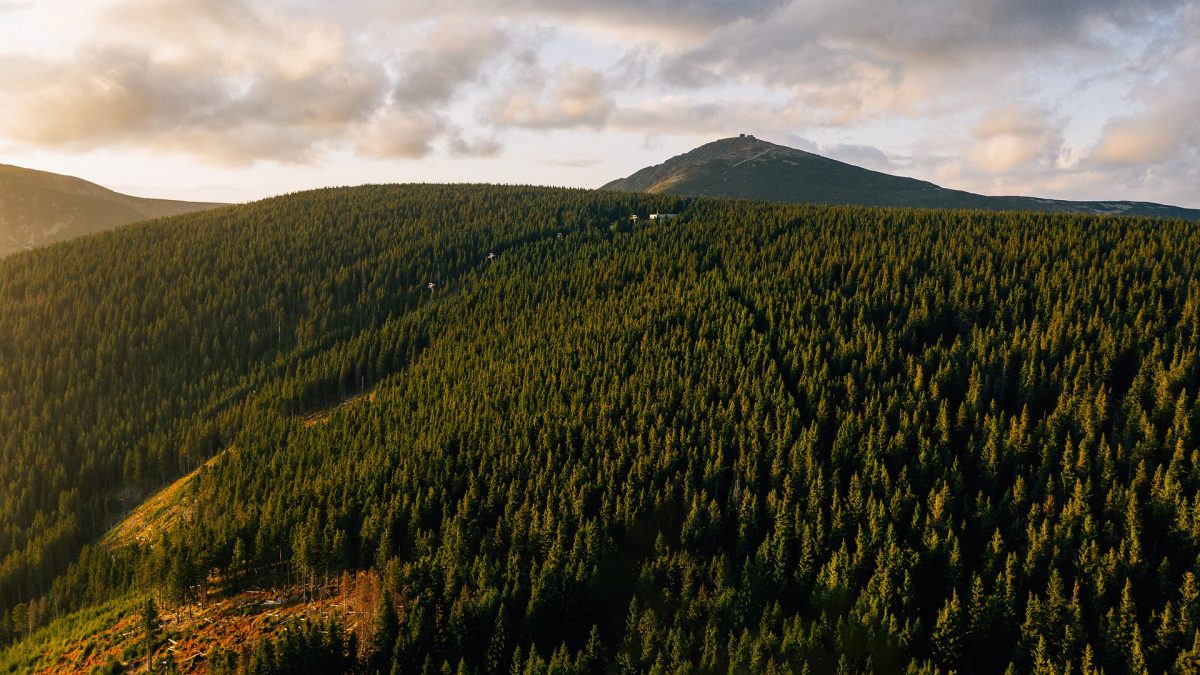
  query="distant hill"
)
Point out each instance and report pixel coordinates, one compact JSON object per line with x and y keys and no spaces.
{"x":38,"y":208}
{"x":749,"y":168}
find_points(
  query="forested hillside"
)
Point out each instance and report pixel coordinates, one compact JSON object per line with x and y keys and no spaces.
{"x":755,"y":438}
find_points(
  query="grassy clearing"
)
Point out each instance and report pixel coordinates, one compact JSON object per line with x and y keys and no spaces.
{"x":159,"y":513}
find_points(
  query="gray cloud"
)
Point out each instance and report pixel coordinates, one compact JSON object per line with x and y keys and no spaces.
{"x":854,"y":60}
{"x":867,"y":156}
{"x":336,"y":95}
{"x":461,"y":146}
{"x":452,"y":57}
{"x":660,"y":20}
{"x":693,"y":116}
{"x":659,"y":14}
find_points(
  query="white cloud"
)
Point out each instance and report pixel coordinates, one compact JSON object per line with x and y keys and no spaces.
{"x":1013,"y":135}
{"x":1139,"y":139}
{"x":236,"y":83}
{"x":396,"y":134}
{"x":571,"y":96}
{"x":1166,"y":127}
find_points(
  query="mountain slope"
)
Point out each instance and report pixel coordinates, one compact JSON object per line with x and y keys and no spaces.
{"x":38,"y":208}
{"x":749,"y":168}
{"x":753,"y":438}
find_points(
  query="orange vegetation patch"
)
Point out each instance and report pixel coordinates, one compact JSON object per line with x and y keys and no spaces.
{"x":190,"y":633}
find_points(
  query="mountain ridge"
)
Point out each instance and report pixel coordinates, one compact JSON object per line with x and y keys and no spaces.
{"x":41,"y":207}
{"x":749,"y":168}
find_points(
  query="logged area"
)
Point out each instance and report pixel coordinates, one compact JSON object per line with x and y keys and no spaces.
{"x":753,"y":437}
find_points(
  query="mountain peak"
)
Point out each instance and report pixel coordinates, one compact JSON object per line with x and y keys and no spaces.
{"x":743,"y":147}
{"x":750,"y":168}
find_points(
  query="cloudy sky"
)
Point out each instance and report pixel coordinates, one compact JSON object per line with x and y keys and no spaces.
{"x":238,"y":99}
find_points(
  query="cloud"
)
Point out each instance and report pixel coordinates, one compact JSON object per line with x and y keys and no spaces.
{"x":1013,"y":135}
{"x":867,"y":156}
{"x":571,"y":96}
{"x":855,"y":61}
{"x":222,"y":37}
{"x":451,"y":58}
{"x":398,"y":134}
{"x":633,"y":20}
{"x":657,"y":15}
{"x":461,"y":146}
{"x":1165,"y":129}
{"x":1155,"y":149}
{"x":695,"y":116}
{"x":117,"y":97}
{"x":1141,"y":139}
{"x":235,"y":84}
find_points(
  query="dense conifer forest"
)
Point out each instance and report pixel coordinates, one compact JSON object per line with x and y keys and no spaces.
{"x":753,"y":438}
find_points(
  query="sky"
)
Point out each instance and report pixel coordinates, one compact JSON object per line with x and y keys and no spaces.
{"x":234,"y":100}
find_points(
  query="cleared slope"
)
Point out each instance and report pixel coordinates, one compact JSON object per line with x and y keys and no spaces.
{"x":749,"y":168}
{"x":159,"y":512}
{"x":193,"y":634}
{"x":39,"y":208}
{"x":156,"y":514}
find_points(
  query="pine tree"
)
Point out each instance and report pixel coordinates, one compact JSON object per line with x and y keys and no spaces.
{"x":384,"y":632}
{"x":947,"y":636}
{"x":150,"y":628}
{"x":497,"y":649}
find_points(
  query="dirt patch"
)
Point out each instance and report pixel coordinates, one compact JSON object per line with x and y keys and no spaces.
{"x":191,"y":632}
